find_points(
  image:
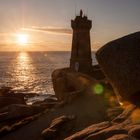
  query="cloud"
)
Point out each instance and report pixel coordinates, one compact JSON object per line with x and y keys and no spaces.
{"x":3,"y":34}
{"x":51,"y":30}
{"x":95,"y":45}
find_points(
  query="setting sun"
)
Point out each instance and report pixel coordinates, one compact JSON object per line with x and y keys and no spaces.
{"x":22,"y":39}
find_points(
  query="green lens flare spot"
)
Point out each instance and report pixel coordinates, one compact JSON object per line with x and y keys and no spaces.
{"x":98,"y":89}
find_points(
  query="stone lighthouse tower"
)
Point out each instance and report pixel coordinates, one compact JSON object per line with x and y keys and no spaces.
{"x":81,"y":59}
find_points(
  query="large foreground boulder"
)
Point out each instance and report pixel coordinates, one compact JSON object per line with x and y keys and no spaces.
{"x":120,"y":61}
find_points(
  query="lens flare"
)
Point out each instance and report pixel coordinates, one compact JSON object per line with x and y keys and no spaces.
{"x":98,"y":89}
{"x":135,"y":116}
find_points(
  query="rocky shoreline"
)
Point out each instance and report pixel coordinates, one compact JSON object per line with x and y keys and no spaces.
{"x":77,"y":103}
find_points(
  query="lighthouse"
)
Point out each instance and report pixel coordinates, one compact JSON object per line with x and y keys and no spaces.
{"x":81,"y":60}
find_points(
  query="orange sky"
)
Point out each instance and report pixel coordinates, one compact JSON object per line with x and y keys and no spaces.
{"x":47,"y":22}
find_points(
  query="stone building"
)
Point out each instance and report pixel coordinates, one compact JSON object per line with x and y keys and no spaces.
{"x":81,"y":59}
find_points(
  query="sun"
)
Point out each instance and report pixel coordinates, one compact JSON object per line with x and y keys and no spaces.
{"x":22,"y":39}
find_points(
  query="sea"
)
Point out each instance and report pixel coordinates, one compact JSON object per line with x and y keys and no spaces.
{"x":30,"y":72}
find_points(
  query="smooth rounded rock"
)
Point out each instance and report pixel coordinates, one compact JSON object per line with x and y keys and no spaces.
{"x":120,"y":61}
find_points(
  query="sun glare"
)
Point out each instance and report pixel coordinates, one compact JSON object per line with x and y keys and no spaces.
{"x":22,"y":39}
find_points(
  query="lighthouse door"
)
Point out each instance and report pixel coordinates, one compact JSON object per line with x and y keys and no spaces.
{"x":77,"y":66}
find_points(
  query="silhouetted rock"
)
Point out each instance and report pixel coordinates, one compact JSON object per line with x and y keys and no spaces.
{"x":120,"y":61}
{"x":69,"y":84}
{"x":124,"y":115}
{"x":97,"y":73}
{"x":135,"y":132}
{"x":59,"y":128}
{"x":113,"y":112}
{"x":48,"y":103}
{"x":16,"y":111}
{"x":119,"y":130}
{"x":107,"y":133}
{"x":5,"y":101}
{"x":14,"y":125}
{"x":8,"y":97}
{"x":89,"y":130}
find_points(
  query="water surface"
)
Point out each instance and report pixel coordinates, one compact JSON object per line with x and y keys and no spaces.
{"x":31,"y":71}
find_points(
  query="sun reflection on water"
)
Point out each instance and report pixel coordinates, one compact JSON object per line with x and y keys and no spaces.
{"x":24,"y":69}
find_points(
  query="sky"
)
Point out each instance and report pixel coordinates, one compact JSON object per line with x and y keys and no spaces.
{"x":48,"y":22}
